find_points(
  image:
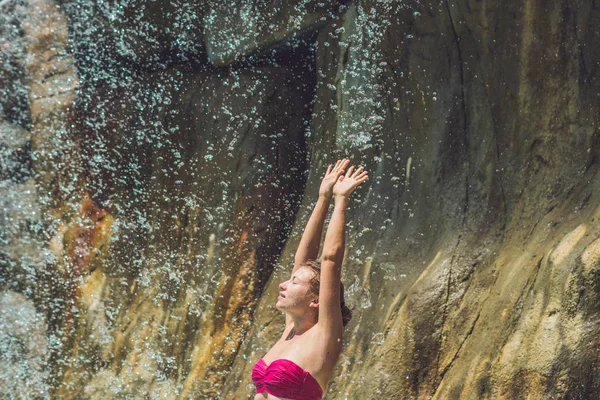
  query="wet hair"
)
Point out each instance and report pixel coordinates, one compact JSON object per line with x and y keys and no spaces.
{"x":315,"y":284}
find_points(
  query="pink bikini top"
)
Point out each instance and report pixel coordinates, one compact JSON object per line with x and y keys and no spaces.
{"x":284,"y":378}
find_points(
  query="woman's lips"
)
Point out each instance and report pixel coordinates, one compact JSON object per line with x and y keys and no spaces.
{"x":280,"y":295}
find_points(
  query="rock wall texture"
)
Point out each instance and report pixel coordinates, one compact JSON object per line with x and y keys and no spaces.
{"x":159,"y":161}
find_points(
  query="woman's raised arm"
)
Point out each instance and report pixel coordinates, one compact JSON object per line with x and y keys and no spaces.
{"x":330,"y":315}
{"x":308,"y":249}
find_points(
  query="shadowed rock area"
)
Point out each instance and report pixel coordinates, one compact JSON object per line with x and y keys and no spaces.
{"x":159,"y":161}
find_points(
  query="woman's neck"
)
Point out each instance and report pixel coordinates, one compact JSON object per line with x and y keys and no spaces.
{"x":301,"y":325}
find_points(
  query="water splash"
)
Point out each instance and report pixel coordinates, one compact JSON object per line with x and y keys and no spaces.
{"x":172,"y":188}
{"x":23,"y":348}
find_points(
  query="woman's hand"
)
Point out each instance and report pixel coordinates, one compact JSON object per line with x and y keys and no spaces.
{"x":331,"y":177}
{"x":345,"y":185}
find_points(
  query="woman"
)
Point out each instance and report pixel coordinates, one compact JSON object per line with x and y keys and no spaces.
{"x":300,"y":364}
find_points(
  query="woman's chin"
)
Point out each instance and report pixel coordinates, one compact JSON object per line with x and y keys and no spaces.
{"x":279,"y":306}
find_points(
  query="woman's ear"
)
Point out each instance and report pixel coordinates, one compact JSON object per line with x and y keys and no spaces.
{"x":314,"y":303}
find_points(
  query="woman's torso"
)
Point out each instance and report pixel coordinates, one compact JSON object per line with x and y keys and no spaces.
{"x":314,"y":351}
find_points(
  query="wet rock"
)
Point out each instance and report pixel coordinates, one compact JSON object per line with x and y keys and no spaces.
{"x":22,"y":255}
{"x":471,"y":251}
{"x":51,"y":71}
{"x":15,"y":153}
{"x":453,"y":265}
{"x":235,"y":30}
{"x":23,"y":347}
{"x":211,"y":171}
{"x":13,"y":85}
{"x":113,"y":39}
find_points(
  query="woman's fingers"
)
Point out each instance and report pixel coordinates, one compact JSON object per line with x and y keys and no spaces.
{"x":352,"y":172}
{"x":358,"y":171}
{"x":360,"y":179}
{"x":344,"y":164}
{"x":337,"y":166}
{"x":349,"y":173}
{"x":340,"y":166}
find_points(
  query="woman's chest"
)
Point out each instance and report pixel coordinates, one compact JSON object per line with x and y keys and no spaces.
{"x":311,"y":352}
{"x":302,"y":352}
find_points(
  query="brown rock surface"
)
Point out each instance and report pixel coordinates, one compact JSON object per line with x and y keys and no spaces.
{"x":183,"y":274}
{"x":457,"y":289}
{"x":472,"y":253}
{"x":113,"y":39}
{"x":234,"y":30}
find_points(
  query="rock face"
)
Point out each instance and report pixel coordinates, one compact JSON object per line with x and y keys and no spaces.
{"x":221,"y":196}
{"x":174,"y":185}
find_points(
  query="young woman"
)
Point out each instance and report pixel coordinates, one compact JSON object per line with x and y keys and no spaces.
{"x":300,"y":364}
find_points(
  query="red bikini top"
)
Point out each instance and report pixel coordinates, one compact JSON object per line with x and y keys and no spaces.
{"x":284,"y":378}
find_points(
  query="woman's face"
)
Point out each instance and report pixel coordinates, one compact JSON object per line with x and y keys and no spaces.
{"x":295,"y":295}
